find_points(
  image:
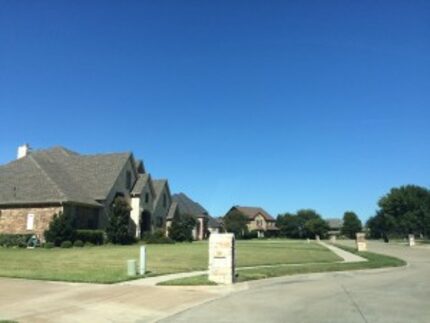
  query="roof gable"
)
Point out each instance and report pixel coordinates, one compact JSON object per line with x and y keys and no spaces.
{"x":188,"y":206}
{"x":252,"y":212}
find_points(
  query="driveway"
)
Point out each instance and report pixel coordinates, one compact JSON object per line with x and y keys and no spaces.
{"x":388,"y":295}
{"x":384,"y":295}
{"x":41,"y":301}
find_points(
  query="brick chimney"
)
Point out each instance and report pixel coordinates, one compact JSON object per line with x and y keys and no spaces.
{"x":23,"y":151}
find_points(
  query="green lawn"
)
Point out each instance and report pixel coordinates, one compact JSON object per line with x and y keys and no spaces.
{"x":374,"y":261}
{"x":107,"y":264}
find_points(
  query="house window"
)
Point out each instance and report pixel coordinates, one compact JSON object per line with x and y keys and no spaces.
{"x":30,"y":221}
{"x":259,"y":223}
{"x":146,"y":197}
{"x":128,"y":180}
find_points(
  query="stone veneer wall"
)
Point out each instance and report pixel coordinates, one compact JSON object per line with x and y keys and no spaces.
{"x":14,"y":220}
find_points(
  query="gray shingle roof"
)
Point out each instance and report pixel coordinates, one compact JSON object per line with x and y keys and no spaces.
{"x":172,"y":211}
{"x":187,"y":205}
{"x":60,"y":175}
{"x":334,"y":223}
{"x":142,"y":181}
{"x":158,"y":186}
{"x":213,"y":223}
{"x":251,"y":212}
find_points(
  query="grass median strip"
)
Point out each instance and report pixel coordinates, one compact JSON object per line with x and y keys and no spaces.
{"x":374,"y":261}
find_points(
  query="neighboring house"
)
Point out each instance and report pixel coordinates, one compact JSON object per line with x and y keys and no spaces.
{"x":258,"y":219}
{"x":335,"y":226}
{"x":42,"y":183}
{"x":182,"y":204}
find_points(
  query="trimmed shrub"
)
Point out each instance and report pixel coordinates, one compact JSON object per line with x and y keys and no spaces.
{"x":119,"y":222}
{"x":61,"y":228}
{"x":250,"y":235}
{"x":14,"y":240}
{"x":182,"y":228}
{"x":48,"y":245}
{"x":66,"y":244}
{"x":94,"y":236}
{"x":156,"y":237}
{"x":89,"y":244}
{"x":78,"y":243}
{"x":271,"y":234}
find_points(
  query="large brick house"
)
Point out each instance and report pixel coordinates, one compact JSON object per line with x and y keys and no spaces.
{"x":258,"y":219}
{"x":42,"y":183}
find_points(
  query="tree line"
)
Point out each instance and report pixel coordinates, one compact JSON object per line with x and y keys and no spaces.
{"x":307,"y":223}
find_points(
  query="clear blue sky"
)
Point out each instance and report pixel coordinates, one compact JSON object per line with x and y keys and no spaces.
{"x":280,"y":104}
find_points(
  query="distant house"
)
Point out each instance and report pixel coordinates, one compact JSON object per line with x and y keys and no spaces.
{"x":206,"y":224}
{"x":258,"y":219}
{"x":42,"y":183}
{"x":335,"y":226}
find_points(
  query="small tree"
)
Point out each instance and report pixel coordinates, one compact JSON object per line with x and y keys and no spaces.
{"x":62,"y":228}
{"x":119,"y":222}
{"x":235,"y":222}
{"x":351,"y":225}
{"x":182,"y":228}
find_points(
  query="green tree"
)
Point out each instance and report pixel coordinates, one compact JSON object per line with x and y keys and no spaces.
{"x":402,"y":211}
{"x":182,"y":228}
{"x":118,"y":230}
{"x":236,"y":223}
{"x":288,"y":225}
{"x":305,"y":224}
{"x":303,"y":217}
{"x":62,"y":228}
{"x":351,"y":224}
{"x":316,"y":226}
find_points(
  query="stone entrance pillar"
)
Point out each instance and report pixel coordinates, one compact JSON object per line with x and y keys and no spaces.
{"x":361,"y":241}
{"x":333,"y":238}
{"x":222,"y":254}
{"x":317,"y":237}
{"x":411,"y":240}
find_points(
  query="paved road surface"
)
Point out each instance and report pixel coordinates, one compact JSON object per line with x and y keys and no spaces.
{"x":385,"y":295}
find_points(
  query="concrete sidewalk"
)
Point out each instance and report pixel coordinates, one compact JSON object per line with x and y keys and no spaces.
{"x":345,"y":255}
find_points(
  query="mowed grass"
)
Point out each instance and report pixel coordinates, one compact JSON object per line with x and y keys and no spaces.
{"x":107,"y":264}
{"x":374,"y":261}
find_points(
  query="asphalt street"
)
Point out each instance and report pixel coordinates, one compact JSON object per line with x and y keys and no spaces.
{"x":383,"y":295}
